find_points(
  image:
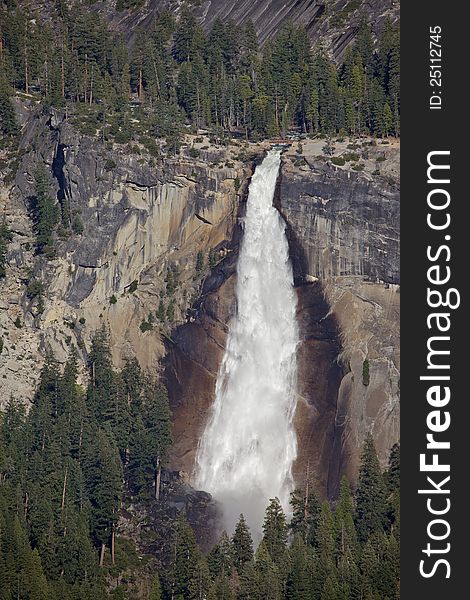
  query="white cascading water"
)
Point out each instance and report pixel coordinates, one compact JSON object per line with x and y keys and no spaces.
{"x":246,"y":452}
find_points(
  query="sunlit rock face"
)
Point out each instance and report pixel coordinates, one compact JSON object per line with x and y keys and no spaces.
{"x":140,"y":216}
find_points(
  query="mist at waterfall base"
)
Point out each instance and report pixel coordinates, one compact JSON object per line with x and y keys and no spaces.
{"x":246,"y":453}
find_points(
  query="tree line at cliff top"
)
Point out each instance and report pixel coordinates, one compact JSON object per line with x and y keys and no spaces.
{"x":174,"y":74}
{"x":84,"y":456}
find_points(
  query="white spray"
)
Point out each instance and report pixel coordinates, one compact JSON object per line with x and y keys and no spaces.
{"x":246,"y":453}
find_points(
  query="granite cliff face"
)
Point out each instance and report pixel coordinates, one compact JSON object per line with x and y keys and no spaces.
{"x":343,"y":233}
{"x":143,"y":217}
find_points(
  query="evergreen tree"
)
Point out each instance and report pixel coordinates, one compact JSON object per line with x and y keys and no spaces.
{"x":103,"y":477}
{"x":8,"y":125}
{"x":275,"y":530}
{"x":242,"y":544}
{"x":300,"y":577}
{"x":5,"y":237}
{"x":305,"y":515}
{"x":392,"y":475}
{"x":221,"y":589}
{"x":186,"y":558}
{"x":156,"y":590}
{"x":325,"y":554}
{"x":268,"y":581}
{"x":200,"y":581}
{"x":370,"y":494}
{"x":45,"y":213}
{"x":221,"y":557}
{"x":188,"y":39}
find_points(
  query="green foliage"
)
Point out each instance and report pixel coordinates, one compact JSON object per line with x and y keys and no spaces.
{"x":35,"y":291}
{"x":305,"y":516}
{"x":370,"y":495}
{"x":242,"y":544}
{"x":5,"y":237}
{"x":329,"y":147}
{"x":109,"y":164}
{"x":64,"y":468}
{"x":77,"y":224}
{"x":186,"y":556}
{"x":365,"y":372}
{"x":170,"y":280}
{"x":338,"y":160}
{"x":175,"y":73}
{"x":156,"y":591}
{"x":128,"y":4}
{"x":351,"y":156}
{"x":200,"y":263}
{"x":170,"y":311}
{"x":213,"y":258}
{"x":145,"y":326}
{"x":132,"y":287}
{"x":45,"y":213}
{"x":161,"y":312}
{"x":8,"y":125}
{"x":113,"y":299}
{"x":275,"y":530}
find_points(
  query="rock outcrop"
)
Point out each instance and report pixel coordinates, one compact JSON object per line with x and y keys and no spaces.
{"x":343,"y":230}
{"x":141,"y":217}
{"x":144,"y":217}
{"x":342,"y":227}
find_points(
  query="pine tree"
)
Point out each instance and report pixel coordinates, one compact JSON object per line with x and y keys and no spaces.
{"x":45,"y":213}
{"x":346,"y":545}
{"x":242,"y":544}
{"x":330,"y":589}
{"x":200,"y":581}
{"x":8,"y":125}
{"x":5,"y":237}
{"x":275,"y":530}
{"x":188,"y":39}
{"x":392,"y":475}
{"x":161,"y":312}
{"x":221,"y":589}
{"x":346,"y":540}
{"x":221,"y":557}
{"x":325,"y":552}
{"x":387,"y":120}
{"x":368,"y":567}
{"x":103,"y":475}
{"x":186,"y":557}
{"x":370,"y":494}
{"x":305,"y":515}
{"x":156,"y":590}
{"x":268,"y":581}
{"x":35,"y":583}
{"x":300,"y":577}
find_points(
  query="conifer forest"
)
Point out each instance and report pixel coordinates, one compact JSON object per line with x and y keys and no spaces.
{"x":91,"y":506}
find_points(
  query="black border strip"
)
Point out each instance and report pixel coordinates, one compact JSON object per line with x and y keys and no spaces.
{"x":423,"y":131}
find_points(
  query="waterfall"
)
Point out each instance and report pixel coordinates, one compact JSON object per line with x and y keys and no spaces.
{"x":246,"y":452}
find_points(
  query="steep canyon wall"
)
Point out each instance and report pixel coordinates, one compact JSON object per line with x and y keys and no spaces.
{"x":142,"y":216}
